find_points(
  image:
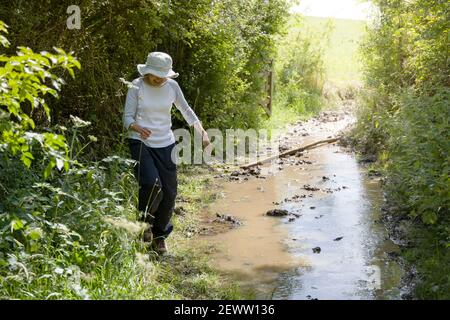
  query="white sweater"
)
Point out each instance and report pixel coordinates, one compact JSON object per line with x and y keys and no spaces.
{"x":150,"y":107}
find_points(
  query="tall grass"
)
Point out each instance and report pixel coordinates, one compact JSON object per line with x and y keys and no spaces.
{"x":318,"y":66}
{"x":298,"y":73}
{"x":76,"y":235}
{"x":90,"y":248}
{"x":342,"y":59}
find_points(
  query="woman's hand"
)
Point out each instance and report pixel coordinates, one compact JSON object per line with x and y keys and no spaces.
{"x":199,"y":129}
{"x":205,"y":139}
{"x":144,"y":132}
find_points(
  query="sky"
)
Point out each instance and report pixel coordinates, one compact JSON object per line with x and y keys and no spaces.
{"x":341,"y":9}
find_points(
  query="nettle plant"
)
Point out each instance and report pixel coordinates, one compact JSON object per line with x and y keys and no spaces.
{"x":26,"y":79}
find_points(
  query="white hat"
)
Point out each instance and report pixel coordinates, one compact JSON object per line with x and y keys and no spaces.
{"x":158,"y":64}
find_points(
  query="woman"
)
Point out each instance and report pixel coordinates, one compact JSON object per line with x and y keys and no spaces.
{"x":151,"y":141}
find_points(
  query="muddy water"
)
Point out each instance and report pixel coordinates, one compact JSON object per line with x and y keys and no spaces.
{"x":353,"y":261}
{"x":274,"y":257}
{"x":255,"y":253}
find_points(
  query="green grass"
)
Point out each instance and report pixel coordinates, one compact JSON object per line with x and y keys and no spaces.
{"x":341,"y":55}
{"x":281,"y":117}
{"x":432,"y":261}
{"x":77,"y":237}
{"x":313,"y":52}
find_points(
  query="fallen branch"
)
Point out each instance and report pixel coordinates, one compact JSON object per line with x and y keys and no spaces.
{"x":289,"y":152}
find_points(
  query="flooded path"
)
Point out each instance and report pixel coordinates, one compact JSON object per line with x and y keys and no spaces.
{"x":330,"y":246}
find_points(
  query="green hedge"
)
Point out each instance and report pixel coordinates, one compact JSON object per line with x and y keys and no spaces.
{"x":405,"y":121}
{"x":219,"y":48}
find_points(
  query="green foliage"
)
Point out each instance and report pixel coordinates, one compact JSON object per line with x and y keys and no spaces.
{"x":342,"y":37}
{"x":73,"y":234}
{"x":405,"y":115}
{"x":405,"y":121}
{"x":299,"y":68}
{"x":431,"y":256}
{"x":219,"y":48}
{"x":419,"y":145}
{"x":25,"y":81}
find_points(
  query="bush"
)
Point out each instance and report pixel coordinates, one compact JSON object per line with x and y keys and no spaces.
{"x":299,"y":69}
{"x":405,"y":112}
{"x":219,"y":48}
{"x":72,"y":234}
{"x":417,"y":157}
{"x":27,"y":79}
{"x":404,"y":120}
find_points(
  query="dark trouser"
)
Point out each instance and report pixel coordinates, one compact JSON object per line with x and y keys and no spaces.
{"x":157,"y":177}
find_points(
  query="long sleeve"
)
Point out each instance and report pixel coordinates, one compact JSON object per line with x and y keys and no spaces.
{"x":131,"y":104}
{"x":182,"y":105}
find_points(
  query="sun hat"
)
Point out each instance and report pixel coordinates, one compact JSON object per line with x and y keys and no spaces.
{"x":158,"y":64}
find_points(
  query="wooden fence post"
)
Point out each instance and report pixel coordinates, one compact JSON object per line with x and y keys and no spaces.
{"x":267,"y":103}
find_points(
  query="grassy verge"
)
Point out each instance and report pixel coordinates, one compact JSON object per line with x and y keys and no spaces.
{"x":431,"y":258}
{"x":341,"y":57}
{"x":411,"y":148}
{"x":75,"y":236}
{"x":342,"y":60}
{"x":318,"y":66}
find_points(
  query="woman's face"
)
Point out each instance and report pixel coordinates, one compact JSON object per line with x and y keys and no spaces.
{"x":154,"y":80}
